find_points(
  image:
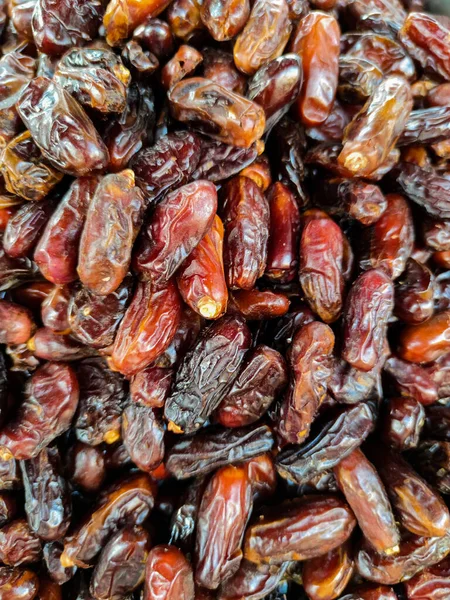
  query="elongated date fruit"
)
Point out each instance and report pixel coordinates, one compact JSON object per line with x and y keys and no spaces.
{"x":217,"y":112}
{"x":176,"y":227}
{"x":61,"y":128}
{"x":373,"y":132}
{"x":262,"y":379}
{"x":284,"y":228}
{"x":252,"y":581}
{"x":368,"y":307}
{"x":207,"y":374}
{"x":308,"y":358}
{"x":50,"y":402}
{"x":112,"y":223}
{"x":364,"y":491}
{"x":321,"y":267}
{"x":326,"y":577}
{"x":121,"y":564}
{"x":299,"y":530}
{"x":122,"y":16}
{"x":209,"y":450}
{"x":402,"y":423}
{"x":201,"y":278}
{"x":151,"y":386}
{"x":245,"y":214}
{"x":316,"y":40}
{"x":264,"y":36}
{"x":428,"y":341}
{"x":425,"y":187}
{"x":147,"y":328}
{"x":409,"y":379}
{"x":56,"y":253}
{"x":47,"y":500}
{"x":223,"y":514}
{"x":143,"y":436}
{"x":168,"y":575}
{"x":338,"y":438}
{"x":414,"y":293}
{"x":127,"y":502}
{"x":431,"y":584}
{"x":224,"y":19}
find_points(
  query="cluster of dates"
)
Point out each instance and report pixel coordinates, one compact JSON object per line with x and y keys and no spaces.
{"x":224,"y":300}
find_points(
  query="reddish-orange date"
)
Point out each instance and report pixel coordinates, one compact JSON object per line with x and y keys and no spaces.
{"x":428,"y":341}
{"x":326,"y":577}
{"x":168,"y":575}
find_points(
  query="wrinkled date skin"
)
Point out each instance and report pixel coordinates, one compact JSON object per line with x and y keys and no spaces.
{"x":428,"y":341}
{"x":186,"y":334}
{"x":414,"y":293}
{"x":18,"y":584}
{"x":102,"y":393}
{"x":217,"y":112}
{"x":96,"y":77}
{"x":210,"y":450}
{"x":184,"y":518}
{"x":207,"y":374}
{"x":369,"y":305}
{"x":252,"y":581}
{"x":47,"y":500}
{"x":184,"y":62}
{"x":85,"y":466}
{"x":17,"y":70}
{"x":55,"y":309}
{"x":224,"y":19}
{"x":201,"y":278}
{"x":25,"y":226}
{"x":308,"y":358}
{"x":299,"y":530}
{"x":16,"y":325}
{"x":410,"y":379}
{"x":51,"y":553}
{"x":57,"y":26}
{"x":219,"y":67}
{"x":391,"y":238}
{"x":420,"y":509}
{"x":326,"y":577}
{"x":56,"y":253}
{"x":416,"y":553}
{"x":262,"y":379}
{"x":24,"y":171}
{"x":373,"y":132}
{"x":151,"y":386}
{"x":143,"y":436}
{"x":176,"y":227}
{"x":148,"y":327}
{"x":321,"y":267}
{"x":264,"y":36}
{"x":222,"y":517}
{"x":122,"y":16}
{"x":282,"y":248}
{"x":358,"y":199}
{"x":18,"y":544}
{"x":245,"y":214}
{"x":258,"y":304}
{"x":364,"y":491}
{"x":425,"y":187}
{"x":50,"y":402}
{"x":127,"y":502}
{"x":60,"y":127}
{"x":166,"y":165}
{"x":220,"y":161}
{"x":121,"y":565}
{"x":431,"y":584}
{"x":112,"y":222}
{"x":48,"y":345}
{"x":402,"y":423}
{"x":168,"y":575}
{"x":316,"y":40}
{"x":337,"y":439}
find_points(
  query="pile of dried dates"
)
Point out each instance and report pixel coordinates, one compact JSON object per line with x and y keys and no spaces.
{"x":224,"y":300}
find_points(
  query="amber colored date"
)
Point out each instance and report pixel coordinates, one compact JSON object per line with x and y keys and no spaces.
{"x":183,"y":17}
{"x":168,"y":575}
{"x":326,"y":577}
{"x":264,"y":36}
{"x":222,"y":517}
{"x":308,"y":358}
{"x":217,"y":112}
{"x":364,"y":491}
{"x":183,"y":63}
{"x":299,"y":530}
{"x":262,"y":379}
{"x":373,"y":132}
{"x":112,"y":222}
{"x":201,"y":278}
{"x":122,"y":16}
{"x":50,"y":402}
{"x":18,"y":584}
{"x":321,"y":267}
{"x":148,"y":327}
{"x":245,"y":214}
{"x":224,"y":19}
{"x":18,"y":544}
{"x":259,"y":304}
{"x":176,"y":227}
{"x":368,"y":307}
{"x":316,"y":40}
{"x":428,"y":341}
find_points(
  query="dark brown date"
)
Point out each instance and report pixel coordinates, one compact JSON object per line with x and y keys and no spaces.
{"x":25,"y":226}
{"x":358,"y":199}
{"x":47,"y":501}
{"x":51,"y":554}
{"x":414,"y":293}
{"x":252,"y":581}
{"x":299,"y":530}
{"x":402,"y":423}
{"x":425,"y":187}
{"x":55,"y":309}
{"x":245,"y":214}
{"x":86,"y":467}
{"x":156,"y":36}
{"x":60,"y":127}
{"x":262,"y":379}
{"x":151,"y":386}
{"x":411,"y":380}
{"x":18,"y":584}
{"x":431,"y":584}
{"x":215,"y":448}
{"x":185,"y":336}
{"x":16,"y":324}
{"x":207,"y":374}
{"x":220,"y":161}
{"x":8,"y":508}
{"x":338,"y":438}
{"x":50,"y":402}
{"x":18,"y":544}
{"x":308,"y":358}
{"x":143,"y":436}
